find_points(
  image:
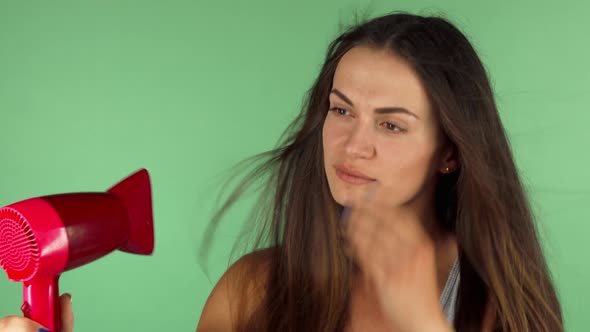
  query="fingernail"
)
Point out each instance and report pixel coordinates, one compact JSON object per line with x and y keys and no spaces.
{"x":43,"y":330}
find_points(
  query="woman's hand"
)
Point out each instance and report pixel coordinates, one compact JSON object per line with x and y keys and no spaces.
{"x":396,"y":257}
{"x":22,"y":324}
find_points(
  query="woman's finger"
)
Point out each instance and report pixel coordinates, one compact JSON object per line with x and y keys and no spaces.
{"x":67,"y":314}
{"x":19,"y":324}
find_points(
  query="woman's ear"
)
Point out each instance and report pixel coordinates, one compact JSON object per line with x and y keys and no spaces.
{"x":449,"y":161}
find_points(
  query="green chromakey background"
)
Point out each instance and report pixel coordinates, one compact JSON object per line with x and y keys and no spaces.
{"x":91,"y":91}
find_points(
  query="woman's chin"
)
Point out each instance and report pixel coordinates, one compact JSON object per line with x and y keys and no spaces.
{"x":344,"y":198}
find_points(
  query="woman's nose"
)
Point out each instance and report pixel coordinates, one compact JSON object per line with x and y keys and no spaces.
{"x":359,"y":143}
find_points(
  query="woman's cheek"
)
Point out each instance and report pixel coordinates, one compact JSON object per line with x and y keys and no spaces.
{"x":406,"y":176}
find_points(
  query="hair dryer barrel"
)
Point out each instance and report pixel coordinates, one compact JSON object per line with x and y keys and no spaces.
{"x":60,"y":232}
{"x":52,"y":234}
{"x":95,"y":224}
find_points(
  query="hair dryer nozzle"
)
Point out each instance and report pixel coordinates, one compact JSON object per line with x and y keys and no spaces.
{"x":135,"y":192}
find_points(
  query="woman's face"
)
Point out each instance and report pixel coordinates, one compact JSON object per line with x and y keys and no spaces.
{"x":380,"y":129}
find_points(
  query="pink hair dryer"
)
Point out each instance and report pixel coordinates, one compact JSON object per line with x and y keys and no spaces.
{"x":42,"y":237}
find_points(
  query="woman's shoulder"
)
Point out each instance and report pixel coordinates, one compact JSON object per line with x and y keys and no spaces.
{"x":237,"y":293}
{"x":251,"y":271}
{"x":258,"y":259}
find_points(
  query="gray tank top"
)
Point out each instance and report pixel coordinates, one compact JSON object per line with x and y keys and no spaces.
{"x":448,"y":297}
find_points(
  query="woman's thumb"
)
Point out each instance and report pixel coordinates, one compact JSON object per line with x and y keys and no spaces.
{"x":67,"y":315}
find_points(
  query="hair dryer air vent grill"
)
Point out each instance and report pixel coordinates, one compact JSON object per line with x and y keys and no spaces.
{"x":19,"y":253}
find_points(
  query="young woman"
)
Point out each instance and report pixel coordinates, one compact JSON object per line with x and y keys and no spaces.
{"x":393,"y":203}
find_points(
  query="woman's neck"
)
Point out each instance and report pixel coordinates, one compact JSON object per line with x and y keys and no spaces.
{"x":446,"y":251}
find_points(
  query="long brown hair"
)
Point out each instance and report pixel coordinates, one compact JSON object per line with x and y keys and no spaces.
{"x":307,"y":286}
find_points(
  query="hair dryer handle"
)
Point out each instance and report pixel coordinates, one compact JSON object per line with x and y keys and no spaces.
{"x":41,"y":301}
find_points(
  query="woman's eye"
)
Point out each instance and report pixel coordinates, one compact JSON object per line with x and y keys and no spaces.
{"x":339,"y":111}
{"x":392,"y":127}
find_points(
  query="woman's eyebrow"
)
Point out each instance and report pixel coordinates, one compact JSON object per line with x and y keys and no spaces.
{"x":395,"y":109}
{"x":380,"y":110}
{"x":342,"y":96}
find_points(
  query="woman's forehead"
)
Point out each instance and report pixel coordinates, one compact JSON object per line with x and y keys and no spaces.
{"x":377,"y":78}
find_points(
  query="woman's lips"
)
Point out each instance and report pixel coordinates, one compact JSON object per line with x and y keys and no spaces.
{"x":351,"y":176}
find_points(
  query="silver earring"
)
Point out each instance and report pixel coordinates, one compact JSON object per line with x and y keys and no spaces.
{"x":447,"y":170}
